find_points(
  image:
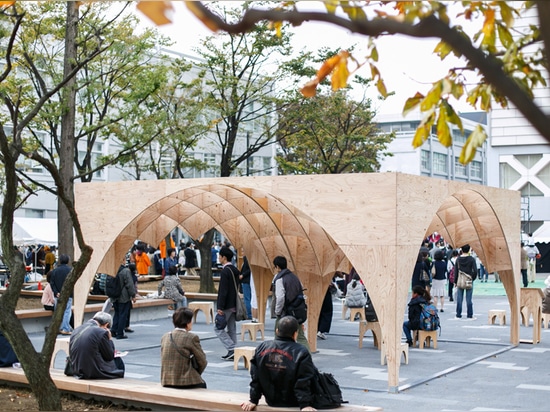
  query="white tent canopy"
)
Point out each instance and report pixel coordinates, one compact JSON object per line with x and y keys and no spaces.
{"x":28,"y":230}
{"x":542,"y":234}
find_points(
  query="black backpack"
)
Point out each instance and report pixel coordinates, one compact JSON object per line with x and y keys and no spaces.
{"x":113,"y":286}
{"x":298,"y":308}
{"x":326,"y":392}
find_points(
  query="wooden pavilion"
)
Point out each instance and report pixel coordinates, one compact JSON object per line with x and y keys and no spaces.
{"x":321,"y":223}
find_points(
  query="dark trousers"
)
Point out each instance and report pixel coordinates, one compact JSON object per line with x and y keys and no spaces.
{"x":122,"y":313}
{"x":524,"y":278}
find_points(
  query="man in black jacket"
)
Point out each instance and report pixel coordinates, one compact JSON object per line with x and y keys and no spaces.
{"x":465,"y":263}
{"x":227,"y":303}
{"x":282,"y":370}
{"x":286,"y":287}
{"x":57,"y":279}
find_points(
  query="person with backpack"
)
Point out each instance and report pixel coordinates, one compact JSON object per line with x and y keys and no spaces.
{"x":451,"y":273}
{"x":289,"y":297}
{"x":420,"y":297}
{"x":282,"y":370}
{"x":123,"y":302}
{"x":467,"y":264}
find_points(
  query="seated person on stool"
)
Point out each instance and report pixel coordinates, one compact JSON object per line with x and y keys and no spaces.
{"x":282,"y":370}
{"x":420,"y":296}
{"x":356,"y":296}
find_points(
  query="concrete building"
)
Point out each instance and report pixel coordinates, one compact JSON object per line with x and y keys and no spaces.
{"x":432,"y":158}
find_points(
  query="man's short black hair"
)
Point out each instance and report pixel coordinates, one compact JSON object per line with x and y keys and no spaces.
{"x":465,"y":248}
{"x":226,"y":253}
{"x":63,"y":259}
{"x":280,"y":262}
{"x":287,"y":327}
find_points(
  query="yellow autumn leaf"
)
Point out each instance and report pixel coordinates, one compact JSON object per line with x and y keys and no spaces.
{"x":433,"y":96}
{"x":331,"y":6}
{"x":443,"y":131}
{"x":6,"y":3}
{"x":340,"y":75}
{"x":197,"y":11}
{"x":159,"y":12}
{"x":412,"y":102}
{"x":474,"y":141}
{"x":489,"y":28}
{"x":451,"y":115}
{"x":420,"y":137}
{"x":277,"y":26}
{"x":381,"y":88}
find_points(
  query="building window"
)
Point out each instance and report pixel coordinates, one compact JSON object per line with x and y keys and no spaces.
{"x":530,"y":190}
{"x":440,"y":163}
{"x":97,"y":152}
{"x":34,"y":213}
{"x":544,"y":175}
{"x":459,"y":137}
{"x":475,"y":170}
{"x":528,"y":160}
{"x":425,"y":160}
{"x":210,"y":160}
{"x":508,"y":176}
{"x":460,"y":169}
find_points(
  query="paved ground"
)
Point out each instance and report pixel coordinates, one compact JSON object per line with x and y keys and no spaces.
{"x":473,"y":369}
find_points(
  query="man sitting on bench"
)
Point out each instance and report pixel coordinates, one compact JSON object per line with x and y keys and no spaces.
{"x":282,"y":370}
{"x":92,"y":351}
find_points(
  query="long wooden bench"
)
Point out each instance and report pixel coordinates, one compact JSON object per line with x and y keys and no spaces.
{"x":135,"y":392}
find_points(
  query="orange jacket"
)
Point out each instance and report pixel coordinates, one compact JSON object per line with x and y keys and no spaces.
{"x":142,"y":263}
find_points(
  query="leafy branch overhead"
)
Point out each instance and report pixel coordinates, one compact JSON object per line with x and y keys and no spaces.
{"x":506,"y":59}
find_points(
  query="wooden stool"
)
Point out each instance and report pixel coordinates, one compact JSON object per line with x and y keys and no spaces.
{"x":425,"y":337}
{"x":206,"y":307}
{"x":356,"y":311}
{"x":545,"y":320}
{"x":246,"y":352}
{"x":252,"y":328}
{"x":404,"y":351}
{"x":364,"y":326}
{"x":60,"y":344}
{"x":494,"y":314}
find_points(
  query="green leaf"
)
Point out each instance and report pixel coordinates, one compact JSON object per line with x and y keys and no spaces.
{"x":505,"y":36}
{"x":506,"y":13}
{"x":443,"y":49}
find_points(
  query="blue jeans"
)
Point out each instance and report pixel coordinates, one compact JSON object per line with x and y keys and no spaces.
{"x":469,"y":304}
{"x":66,"y":322}
{"x":181,"y":303}
{"x":483,"y":273}
{"x":407,"y":331}
{"x":247,"y":294}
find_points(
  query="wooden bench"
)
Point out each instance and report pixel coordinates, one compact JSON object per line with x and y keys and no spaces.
{"x":141,"y":393}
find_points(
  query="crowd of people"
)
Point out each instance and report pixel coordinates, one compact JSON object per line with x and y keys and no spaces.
{"x":282,"y":370}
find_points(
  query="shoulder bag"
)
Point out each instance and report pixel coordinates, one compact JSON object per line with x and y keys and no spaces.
{"x":191,"y":357}
{"x":464,"y":280}
{"x":241,"y":308}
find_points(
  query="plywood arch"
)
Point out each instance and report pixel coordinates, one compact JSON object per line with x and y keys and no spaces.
{"x":374,"y":222}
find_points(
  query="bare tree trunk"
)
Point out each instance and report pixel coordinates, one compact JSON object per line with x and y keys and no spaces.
{"x":67,"y":153}
{"x":205,"y":248}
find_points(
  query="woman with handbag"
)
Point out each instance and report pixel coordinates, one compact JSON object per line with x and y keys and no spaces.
{"x":182,"y":358}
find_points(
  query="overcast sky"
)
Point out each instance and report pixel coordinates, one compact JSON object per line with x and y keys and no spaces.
{"x":407,"y":65}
